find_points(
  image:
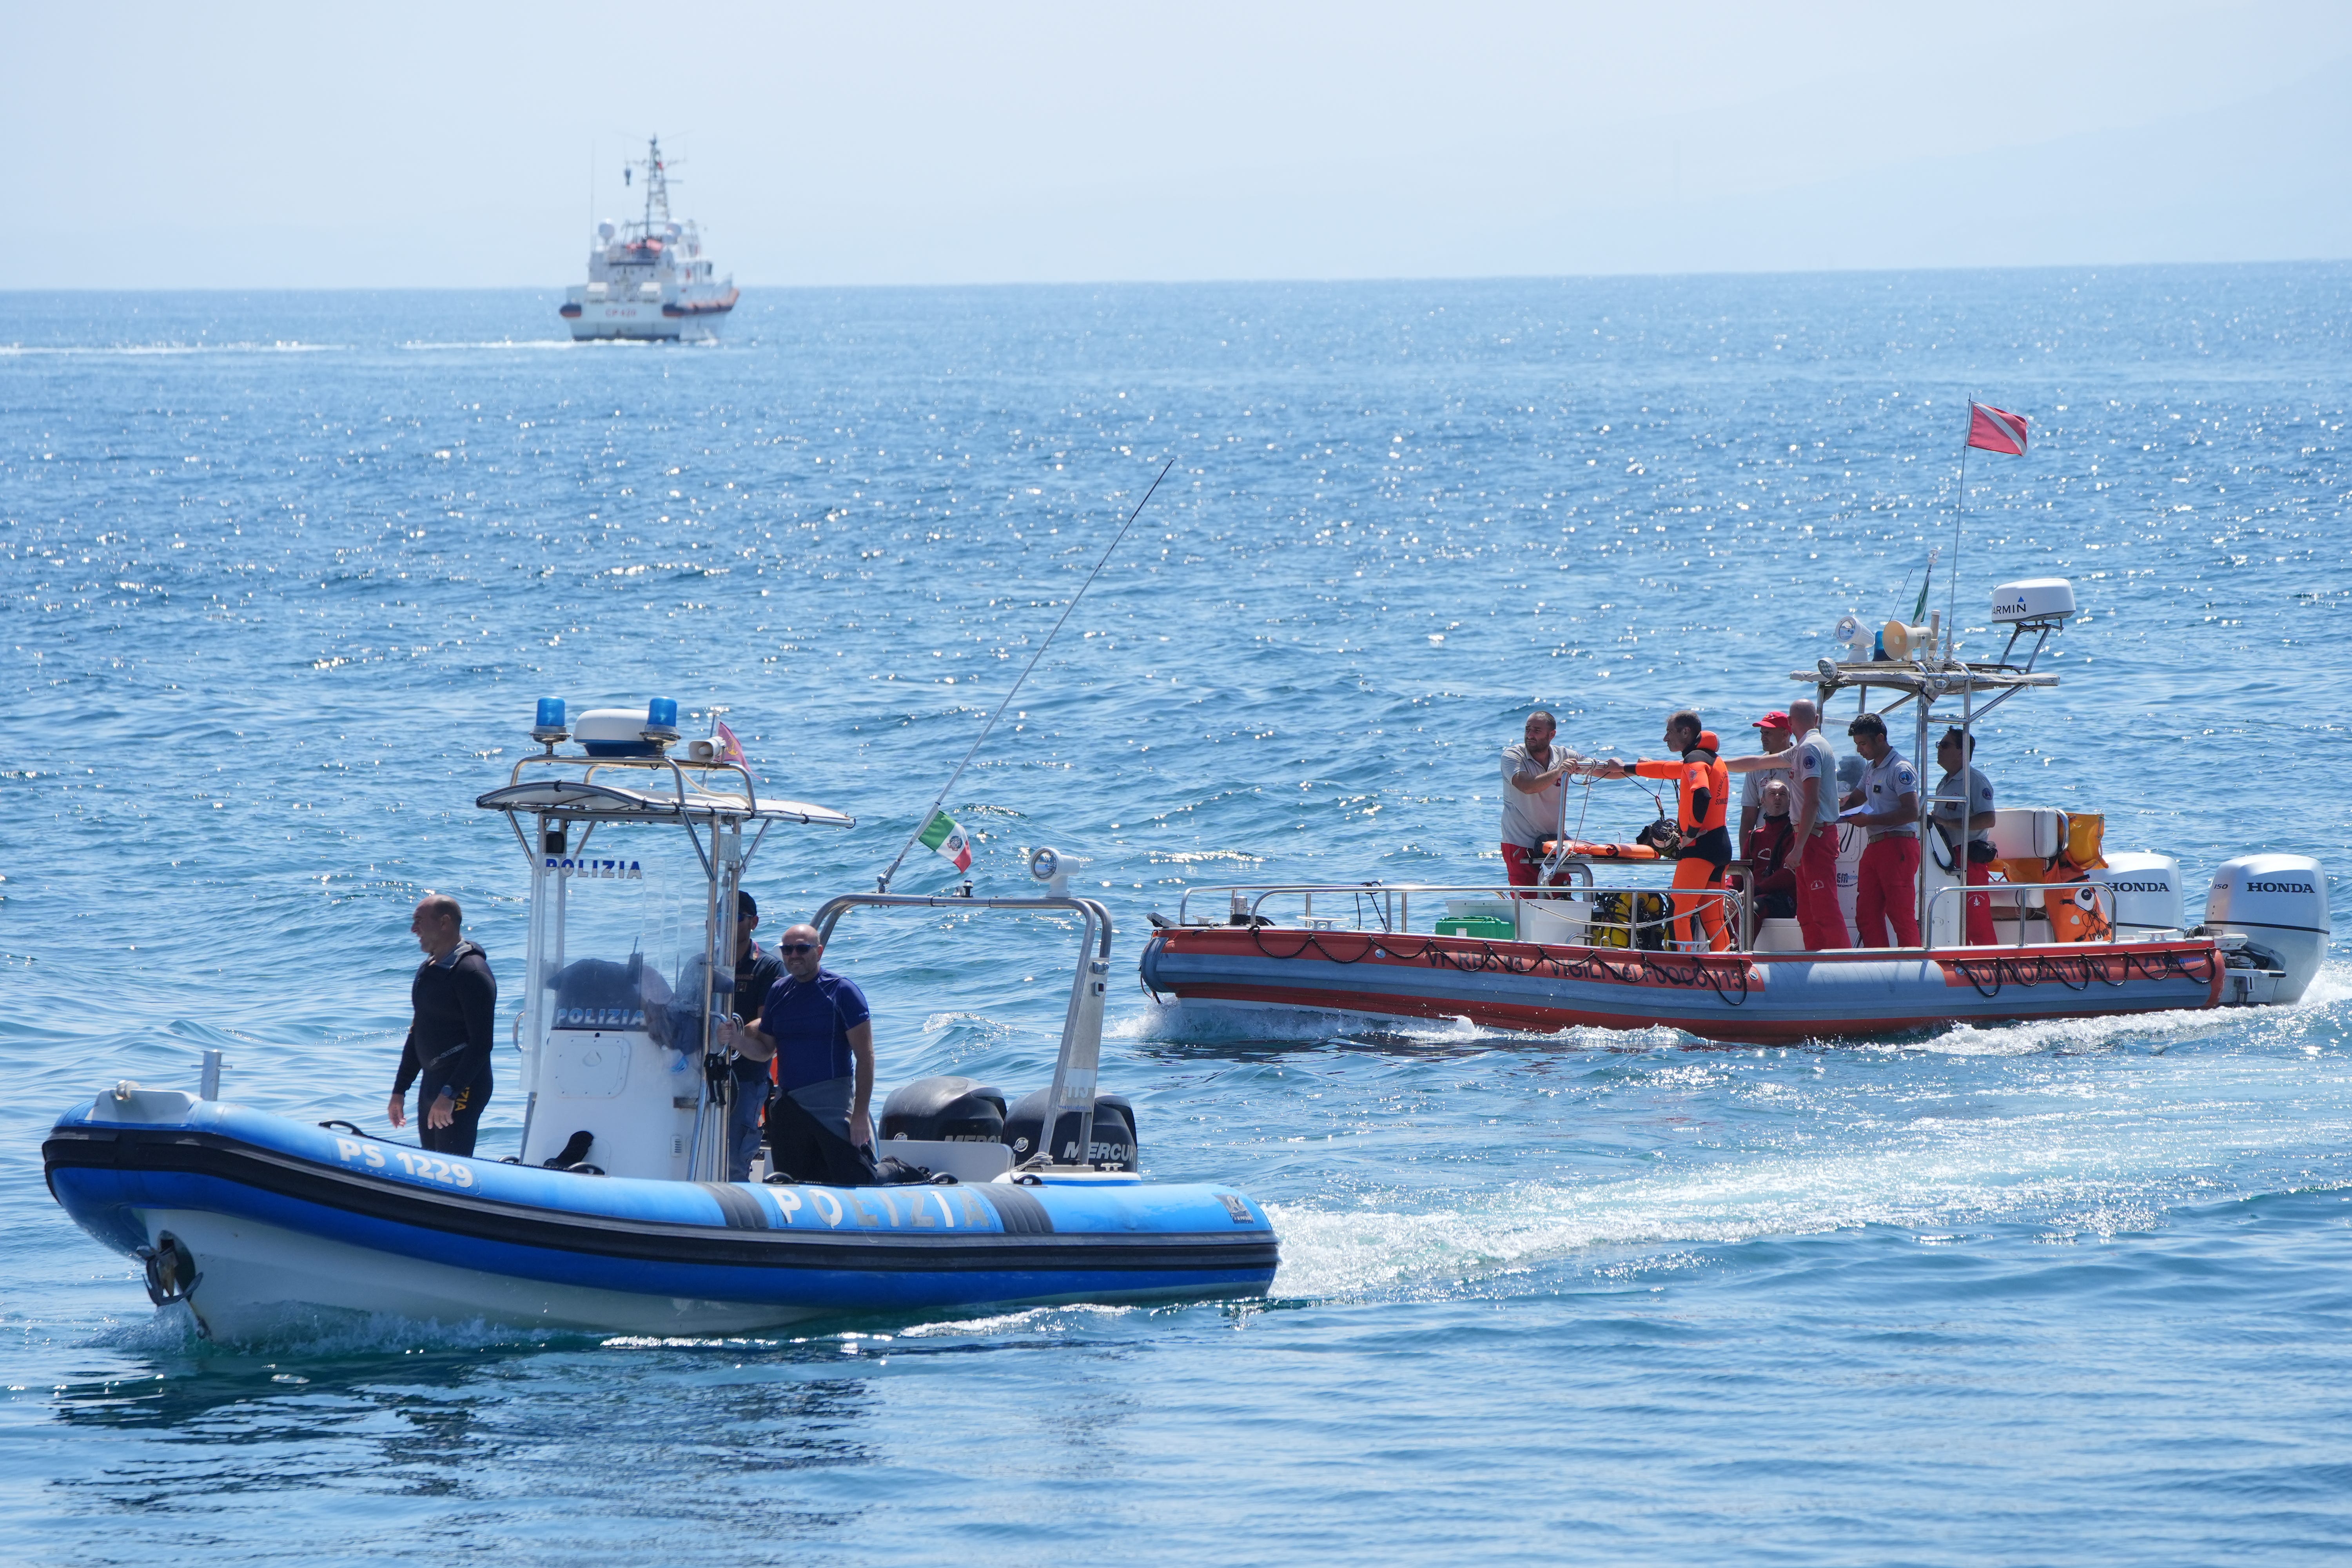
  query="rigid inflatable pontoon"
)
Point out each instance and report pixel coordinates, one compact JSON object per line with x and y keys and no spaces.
{"x":2082,"y":931}
{"x":616,"y":1217}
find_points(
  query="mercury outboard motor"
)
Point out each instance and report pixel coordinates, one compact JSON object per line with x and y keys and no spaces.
{"x":1114,"y":1147}
{"x":2277,"y":903}
{"x":944,"y":1110}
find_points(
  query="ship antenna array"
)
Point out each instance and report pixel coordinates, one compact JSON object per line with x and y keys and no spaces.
{"x":656,"y":183}
{"x":882,"y":884}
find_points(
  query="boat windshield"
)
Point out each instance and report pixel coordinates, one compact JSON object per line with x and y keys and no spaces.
{"x":622,"y":931}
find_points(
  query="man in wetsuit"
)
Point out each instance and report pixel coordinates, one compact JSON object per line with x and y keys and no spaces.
{"x":1888,"y":889}
{"x":817,"y":1028}
{"x":1771,"y":850}
{"x":1813,"y":784}
{"x":453,"y":1001}
{"x":1702,"y":795}
{"x":1532,"y":775}
{"x":756,"y":970}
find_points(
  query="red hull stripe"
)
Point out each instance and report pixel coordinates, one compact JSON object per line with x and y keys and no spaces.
{"x":2045,"y":981}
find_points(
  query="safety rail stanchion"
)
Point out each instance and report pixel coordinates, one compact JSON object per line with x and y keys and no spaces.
{"x":2102,"y":897}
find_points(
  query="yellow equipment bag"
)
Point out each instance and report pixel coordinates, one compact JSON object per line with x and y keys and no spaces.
{"x":2086,"y":831}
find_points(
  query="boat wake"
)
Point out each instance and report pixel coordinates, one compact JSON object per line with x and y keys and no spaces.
{"x":152,"y":350}
{"x":1610,"y":1229}
{"x":519,"y":344}
{"x":1229,"y":1023}
{"x":323,"y":1333}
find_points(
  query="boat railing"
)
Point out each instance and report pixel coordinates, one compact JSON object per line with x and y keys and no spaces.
{"x":1387,"y":907}
{"x":1076,"y":1064}
{"x":2020,"y":896}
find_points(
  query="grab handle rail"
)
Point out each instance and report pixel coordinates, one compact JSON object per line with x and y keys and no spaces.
{"x":2017,"y":893}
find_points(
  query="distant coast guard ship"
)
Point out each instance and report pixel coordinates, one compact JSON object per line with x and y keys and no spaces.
{"x":649,"y":280}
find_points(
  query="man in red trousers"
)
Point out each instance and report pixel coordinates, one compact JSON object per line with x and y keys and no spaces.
{"x":1813,"y":784}
{"x":1888,"y":889}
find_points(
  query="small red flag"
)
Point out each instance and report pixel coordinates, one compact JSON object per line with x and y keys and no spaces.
{"x":1994,"y":429}
{"x":730,"y":749}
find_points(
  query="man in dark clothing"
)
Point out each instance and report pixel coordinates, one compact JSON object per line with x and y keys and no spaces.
{"x":454,"y":1002}
{"x":1771,"y":852}
{"x":756,"y":970}
{"x":817,"y":1028}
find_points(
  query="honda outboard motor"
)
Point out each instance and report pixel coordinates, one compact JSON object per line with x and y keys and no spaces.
{"x":1114,"y":1146}
{"x":944,"y":1110}
{"x":2144,"y":893}
{"x":2277,"y":903}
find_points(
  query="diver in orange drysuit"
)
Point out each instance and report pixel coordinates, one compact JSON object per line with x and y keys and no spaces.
{"x":1703,"y":792}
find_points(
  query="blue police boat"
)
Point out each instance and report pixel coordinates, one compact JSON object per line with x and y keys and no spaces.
{"x":616,"y":1217}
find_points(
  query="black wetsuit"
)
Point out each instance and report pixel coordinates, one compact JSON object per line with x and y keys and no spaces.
{"x":448,"y":1047}
{"x":1771,"y":854}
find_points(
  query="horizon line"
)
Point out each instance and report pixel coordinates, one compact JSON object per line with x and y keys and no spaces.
{"x":6,"y":290}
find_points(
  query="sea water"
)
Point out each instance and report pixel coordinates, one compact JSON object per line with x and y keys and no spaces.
{"x":284,"y":575}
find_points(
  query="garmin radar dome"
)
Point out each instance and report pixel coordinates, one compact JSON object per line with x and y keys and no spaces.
{"x":2034,"y":599}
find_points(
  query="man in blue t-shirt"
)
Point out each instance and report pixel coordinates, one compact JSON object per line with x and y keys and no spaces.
{"x":819,"y":1032}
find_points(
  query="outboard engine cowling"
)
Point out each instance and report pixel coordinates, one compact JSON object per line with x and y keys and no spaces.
{"x":1114,"y":1146}
{"x":944,"y":1110}
{"x":2279,"y":904}
{"x":2146,"y":891}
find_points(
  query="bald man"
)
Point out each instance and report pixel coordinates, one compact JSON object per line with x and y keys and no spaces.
{"x":454,"y":1002}
{"x":818,"y":1030}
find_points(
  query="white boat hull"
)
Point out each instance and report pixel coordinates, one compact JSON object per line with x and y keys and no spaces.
{"x":644,"y":322}
{"x":259,"y":1278}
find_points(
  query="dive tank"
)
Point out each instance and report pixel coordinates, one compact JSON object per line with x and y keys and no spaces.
{"x":2279,"y":904}
{"x":1114,"y":1144}
{"x":944,"y":1110}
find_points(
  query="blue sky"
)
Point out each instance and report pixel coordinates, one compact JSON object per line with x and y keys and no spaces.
{"x":437,"y":144}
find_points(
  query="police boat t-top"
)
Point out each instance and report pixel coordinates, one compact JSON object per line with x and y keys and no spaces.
{"x":616,"y":1217}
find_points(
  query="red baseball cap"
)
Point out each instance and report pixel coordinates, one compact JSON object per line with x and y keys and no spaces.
{"x":1776,"y":720}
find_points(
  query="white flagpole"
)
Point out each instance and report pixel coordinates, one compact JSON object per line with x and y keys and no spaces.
{"x":1960,"y":514}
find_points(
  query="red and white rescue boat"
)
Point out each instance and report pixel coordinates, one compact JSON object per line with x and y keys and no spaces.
{"x":2080,"y":932}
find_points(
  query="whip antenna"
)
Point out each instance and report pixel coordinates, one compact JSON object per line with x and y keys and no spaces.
{"x":883,"y":883}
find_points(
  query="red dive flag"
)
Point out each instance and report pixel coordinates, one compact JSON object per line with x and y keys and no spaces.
{"x":1996,"y":429}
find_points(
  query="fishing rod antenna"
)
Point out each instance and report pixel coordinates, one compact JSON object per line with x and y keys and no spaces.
{"x":882,"y":883}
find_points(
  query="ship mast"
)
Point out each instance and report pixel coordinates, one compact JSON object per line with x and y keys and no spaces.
{"x":657,"y":186}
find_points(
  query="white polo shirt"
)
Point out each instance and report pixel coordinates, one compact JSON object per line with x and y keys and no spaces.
{"x":1882,"y":788}
{"x":1952,"y":811}
{"x":1813,"y":758}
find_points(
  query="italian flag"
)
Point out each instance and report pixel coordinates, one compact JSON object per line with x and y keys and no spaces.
{"x":944,"y":837}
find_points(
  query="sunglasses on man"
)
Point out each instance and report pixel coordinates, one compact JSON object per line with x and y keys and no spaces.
{"x":796,"y":948}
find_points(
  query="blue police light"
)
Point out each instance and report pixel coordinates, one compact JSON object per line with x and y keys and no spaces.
{"x":661,"y":722}
{"x":550,"y":727}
